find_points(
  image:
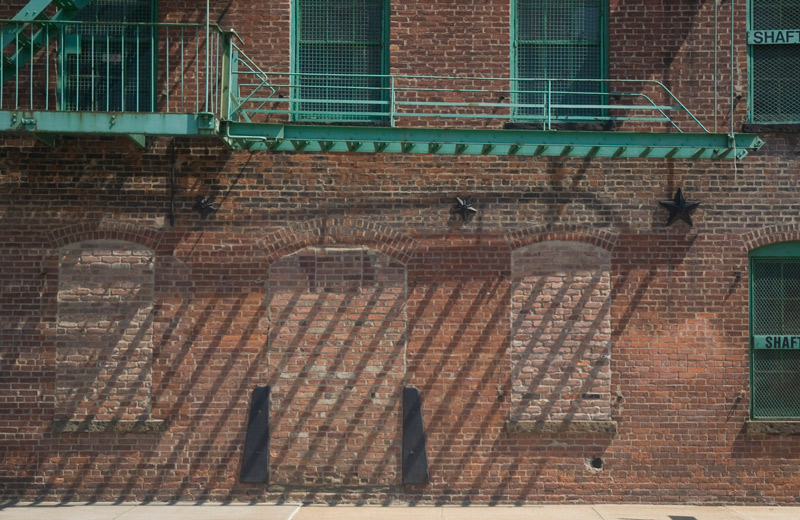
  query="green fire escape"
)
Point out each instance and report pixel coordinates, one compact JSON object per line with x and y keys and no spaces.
{"x":67,"y":73}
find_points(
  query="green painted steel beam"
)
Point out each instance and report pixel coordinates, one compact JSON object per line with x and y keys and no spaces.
{"x":109,"y":123}
{"x":357,"y":139}
{"x":138,"y":139}
{"x":438,"y":141}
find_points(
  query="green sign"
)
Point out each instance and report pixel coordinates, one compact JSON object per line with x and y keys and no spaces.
{"x":776,"y":342}
{"x":780,"y":37}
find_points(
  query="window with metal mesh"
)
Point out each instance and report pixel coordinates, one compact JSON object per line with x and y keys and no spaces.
{"x":558,"y":42}
{"x":109,"y":67}
{"x":775,"y":68}
{"x":340,"y":60}
{"x":775,"y":311}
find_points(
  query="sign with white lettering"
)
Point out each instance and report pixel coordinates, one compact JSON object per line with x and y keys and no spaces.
{"x":776,"y":342}
{"x":778,"y":37}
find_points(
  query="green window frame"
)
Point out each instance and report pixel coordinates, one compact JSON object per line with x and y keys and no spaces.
{"x":773,"y":56}
{"x":109,"y":68}
{"x":565,"y":40}
{"x":340,"y":60}
{"x":775,"y":332}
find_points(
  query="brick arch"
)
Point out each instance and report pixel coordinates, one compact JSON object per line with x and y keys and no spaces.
{"x":132,"y":233}
{"x":340,"y":231}
{"x":773,"y":234}
{"x":601,"y":238}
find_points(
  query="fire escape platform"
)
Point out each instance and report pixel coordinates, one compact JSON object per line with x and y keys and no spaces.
{"x":278,"y":111}
{"x":443,"y":141}
{"x":51,"y":123}
{"x":369,"y":139}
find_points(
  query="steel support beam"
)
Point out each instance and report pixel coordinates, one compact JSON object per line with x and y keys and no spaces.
{"x":134,"y":125}
{"x":438,"y":141}
{"x":354,"y":139}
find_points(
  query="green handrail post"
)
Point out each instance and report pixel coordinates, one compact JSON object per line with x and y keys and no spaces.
{"x":548,"y":103}
{"x":226,"y":78}
{"x":391,"y":100}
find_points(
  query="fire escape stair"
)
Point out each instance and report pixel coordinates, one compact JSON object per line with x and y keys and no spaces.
{"x":28,"y":37}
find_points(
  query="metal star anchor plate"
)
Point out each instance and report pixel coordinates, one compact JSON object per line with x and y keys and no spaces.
{"x":679,"y":207}
{"x":205,"y":205}
{"x":464,"y":207}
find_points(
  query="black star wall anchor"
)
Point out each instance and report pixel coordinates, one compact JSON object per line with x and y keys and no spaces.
{"x":464,"y":207}
{"x":205,"y":205}
{"x":679,"y":207}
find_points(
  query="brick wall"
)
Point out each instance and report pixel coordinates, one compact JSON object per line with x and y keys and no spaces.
{"x":224,"y":304}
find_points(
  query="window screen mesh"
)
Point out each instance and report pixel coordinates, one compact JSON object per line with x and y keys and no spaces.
{"x":775,"y":68}
{"x":559,"y":39}
{"x":345,"y":41}
{"x":109,"y":68}
{"x":775,"y":307}
{"x":775,"y":14}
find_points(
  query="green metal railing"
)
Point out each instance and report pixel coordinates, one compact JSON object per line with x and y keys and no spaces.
{"x":258,"y":96}
{"x":113,"y":67}
{"x":178,"y":68}
{"x":155,"y":79}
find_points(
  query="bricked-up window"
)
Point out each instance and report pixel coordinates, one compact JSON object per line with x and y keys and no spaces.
{"x":561,"y":332}
{"x":562,"y":40}
{"x":336,"y":363}
{"x":109,"y":68}
{"x":774,"y":55}
{"x":104,"y":340}
{"x":775,"y":331}
{"x":340,"y":56}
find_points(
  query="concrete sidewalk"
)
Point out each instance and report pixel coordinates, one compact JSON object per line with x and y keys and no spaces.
{"x":211,"y":511}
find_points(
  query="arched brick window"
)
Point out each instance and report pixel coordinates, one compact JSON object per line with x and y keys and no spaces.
{"x":775,"y":331}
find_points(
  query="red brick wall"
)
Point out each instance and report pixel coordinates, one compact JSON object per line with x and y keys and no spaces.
{"x":678,"y":315}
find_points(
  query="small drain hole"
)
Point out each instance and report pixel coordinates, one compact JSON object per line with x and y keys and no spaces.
{"x":597,"y":463}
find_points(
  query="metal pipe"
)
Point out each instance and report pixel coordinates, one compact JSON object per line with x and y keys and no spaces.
{"x":30,"y":89}
{"x":716,"y":44}
{"x":733,"y":17}
{"x":46,"y":67}
{"x":2,"y":81}
{"x":138,"y":71}
{"x":208,"y":50}
{"x":122,"y":82}
{"x":108,"y":71}
{"x":182,"y":71}
{"x":16,"y":79}
{"x":166,"y":52}
{"x":94,"y":102}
